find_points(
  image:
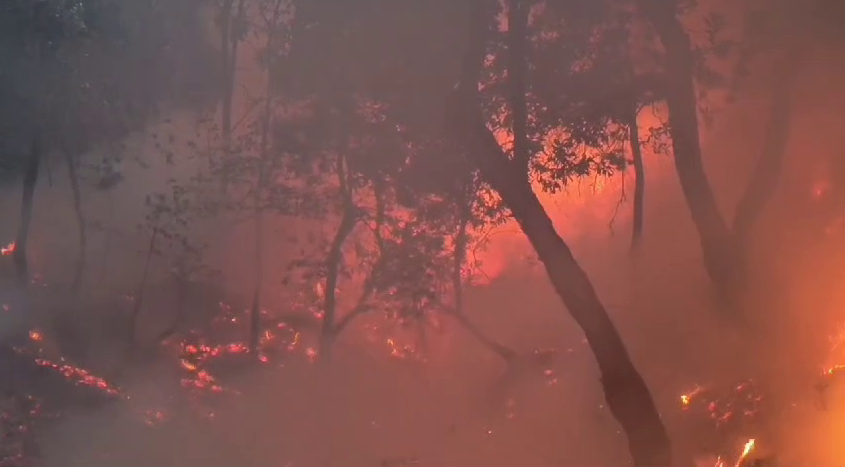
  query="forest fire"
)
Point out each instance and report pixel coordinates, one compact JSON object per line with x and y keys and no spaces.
{"x":289,"y":168}
{"x":740,"y":409}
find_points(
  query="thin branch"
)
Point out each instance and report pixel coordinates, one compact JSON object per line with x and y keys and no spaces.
{"x":362,"y":306}
{"x":139,"y":299}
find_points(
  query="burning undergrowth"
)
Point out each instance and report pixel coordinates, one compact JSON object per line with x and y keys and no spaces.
{"x":206,"y":364}
{"x":747,"y":422}
{"x":203,"y":369}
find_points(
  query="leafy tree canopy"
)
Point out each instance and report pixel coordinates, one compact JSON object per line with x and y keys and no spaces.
{"x":87,"y":71}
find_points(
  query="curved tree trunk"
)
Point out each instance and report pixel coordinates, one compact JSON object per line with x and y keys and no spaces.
{"x":723,"y":246}
{"x":717,"y":241}
{"x":626,"y":393}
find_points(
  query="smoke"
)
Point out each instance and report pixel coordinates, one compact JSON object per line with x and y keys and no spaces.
{"x":368,"y":408}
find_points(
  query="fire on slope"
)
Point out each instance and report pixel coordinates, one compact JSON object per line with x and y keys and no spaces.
{"x":739,"y":410}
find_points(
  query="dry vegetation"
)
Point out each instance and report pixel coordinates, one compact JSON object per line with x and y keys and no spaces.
{"x":278,"y":233}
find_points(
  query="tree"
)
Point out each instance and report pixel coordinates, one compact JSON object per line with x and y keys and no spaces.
{"x":724,"y":246}
{"x":76,"y":75}
{"x":412,"y":91}
{"x":626,"y":393}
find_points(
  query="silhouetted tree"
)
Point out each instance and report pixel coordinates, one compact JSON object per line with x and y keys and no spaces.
{"x":413,"y":91}
{"x":724,"y":245}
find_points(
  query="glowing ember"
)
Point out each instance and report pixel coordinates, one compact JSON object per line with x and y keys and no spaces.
{"x":154,"y":417}
{"x":835,"y":369}
{"x":8,"y":249}
{"x":686,"y":399}
{"x":739,"y":404}
{"x":79,"y":375}
{"x":746,"y":450}
{"x":296,"y":338}
{"x":311,"y":354}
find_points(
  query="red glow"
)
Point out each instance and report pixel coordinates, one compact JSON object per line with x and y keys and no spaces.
{"x":8,"y":249}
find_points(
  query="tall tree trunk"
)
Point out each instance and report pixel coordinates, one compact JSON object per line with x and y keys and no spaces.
{"x":461,"y":243}
{"x":626,"y":393}
{"x":717,"y":241}
{"x":109,"y":233}
{"x":639,"y":182}
{"x":73,"y":175}
{"x":769,"y":167}
{"x":138,"y":303}
{"x":230,"y":21}
{"x":334,"y":259}
{"x":258,"y":265}
{"x":725,"y":258}
{"x":517,"y":64}
{"x":258,"y":211}
{"x":29,"y":181}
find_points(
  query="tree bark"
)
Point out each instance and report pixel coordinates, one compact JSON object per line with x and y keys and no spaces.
{"x":769,"y":167}
{"x":626,"y":393}
{"x":723,"y":246}
{"x":138,"y":303}
{"x":19,"y":255}
{"x":639,"y":182}
{"x":461,"y":240}
{"x":333,"y":263}
{"x":73,"y":175}
{"x":517,"y":64}
{"x":229,"y":41}
{"x":717,"y":242}
{"x":272,"y":27}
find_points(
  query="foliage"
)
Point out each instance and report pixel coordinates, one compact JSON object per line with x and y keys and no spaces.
{"x":348,"y":132}
{"x":89,"y":71}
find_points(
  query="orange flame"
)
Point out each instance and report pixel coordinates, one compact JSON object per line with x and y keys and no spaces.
{"x":687,"y":398}
{"x":746,"y":450}
{"x":8,"y":249}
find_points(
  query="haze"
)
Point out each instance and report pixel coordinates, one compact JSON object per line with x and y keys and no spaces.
{"x":301,"y":250}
